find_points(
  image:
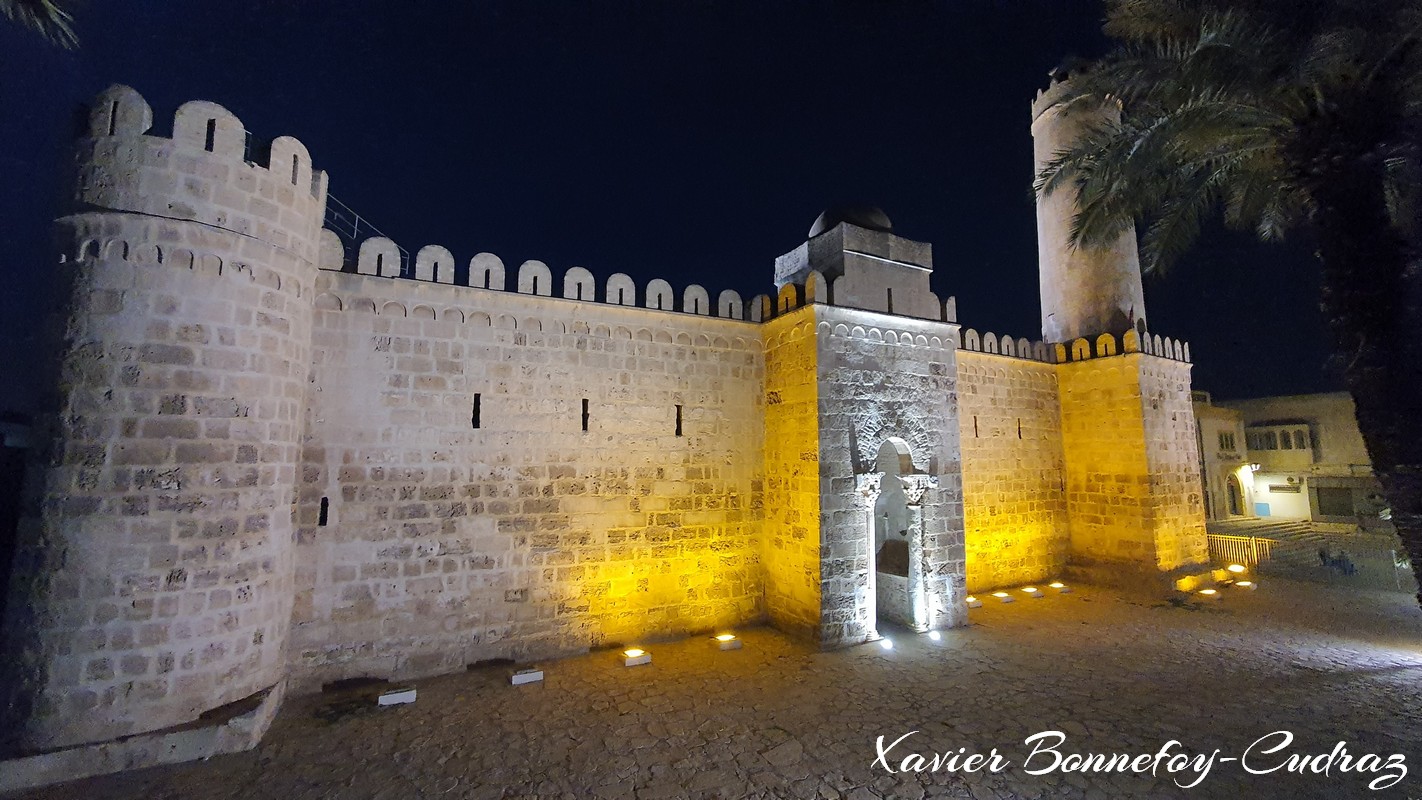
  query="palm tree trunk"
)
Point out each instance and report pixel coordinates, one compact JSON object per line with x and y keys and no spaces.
{"x":1371,"y":287}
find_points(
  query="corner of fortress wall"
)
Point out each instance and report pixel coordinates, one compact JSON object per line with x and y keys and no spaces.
{"x":1090,"y":438}
{"x":162,"y":522}
{"x":1128,"y":432}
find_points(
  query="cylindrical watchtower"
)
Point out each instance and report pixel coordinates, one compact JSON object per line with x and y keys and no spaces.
{"x":1086,"y":291}
{"x":154,"y":577}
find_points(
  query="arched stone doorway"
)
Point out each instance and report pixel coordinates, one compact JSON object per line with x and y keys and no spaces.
{"x":894,"y":494}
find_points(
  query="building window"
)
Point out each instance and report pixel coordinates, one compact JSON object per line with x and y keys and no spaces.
{"x":1271,"y":440}
{"x":1226,"y":441}
{"x":1335,"y":502}
{"x":1286,"y":442}
{"x":1300,"y":440}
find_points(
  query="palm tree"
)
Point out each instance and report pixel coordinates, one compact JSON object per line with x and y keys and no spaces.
{"x":1280,"y":114}
{"x":48,"y":18}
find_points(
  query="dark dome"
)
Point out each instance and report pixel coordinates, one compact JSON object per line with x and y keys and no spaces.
{"x":863,"y":216}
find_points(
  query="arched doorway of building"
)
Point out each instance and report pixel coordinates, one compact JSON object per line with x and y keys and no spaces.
{"x":1235,"y":496}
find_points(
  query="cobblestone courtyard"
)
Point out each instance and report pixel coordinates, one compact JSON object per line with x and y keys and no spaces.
{"x":777,"y":719}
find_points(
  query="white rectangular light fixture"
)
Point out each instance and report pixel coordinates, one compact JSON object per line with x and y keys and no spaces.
{"x":727,"y":641}
{"x":526,"y":676}
{"x":635,"y":656}
{"x":396,"y":697}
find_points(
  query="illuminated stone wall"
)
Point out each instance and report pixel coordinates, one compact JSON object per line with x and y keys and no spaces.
{"x":1014,"y":499}
{"x":791,"y":473}
{"x":883,"y":377}
{"x":1133,"y":486}
{"x":1172,"y":452}
{"x":447,"y":544}
{"x":1107,"y":474}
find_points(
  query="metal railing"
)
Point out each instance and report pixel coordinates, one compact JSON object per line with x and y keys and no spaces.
{"x":1250,"y":551}
{"x":352,"y":229}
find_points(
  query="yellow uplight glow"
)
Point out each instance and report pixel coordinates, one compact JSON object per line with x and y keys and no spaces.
{"x":1245,"y":584}
{"x":1207,"y":591}
{"x":999,"y":594}
{"x":634,"y":652}
{"x":726,"y":637}
{"x":1029,"y":589}
{"x":1235,"y":568}
{"x":971,"y":598}
{"x":1056,"y":584}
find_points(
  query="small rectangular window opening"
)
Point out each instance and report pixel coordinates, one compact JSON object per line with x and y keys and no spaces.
{"x":211,"y":135}
{"x":294,"y":165}
{"x":585,"y":415}
{"x":1019,"y":427}
{"x":113,"y":117}
{"x":678,"y":419}
{"x":535,"y":284}
{"x":580,"y":290}
{"x":474,"y":412}
{"x":975,"y":426}
{"x":891,"y":300}
{"x":325,"y":512}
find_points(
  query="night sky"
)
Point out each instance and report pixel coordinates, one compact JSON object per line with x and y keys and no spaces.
{"x":685,"y":139}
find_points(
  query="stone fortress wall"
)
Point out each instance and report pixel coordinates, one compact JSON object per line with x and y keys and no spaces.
{"x":281,"y":461}
{"x":509,"y":475}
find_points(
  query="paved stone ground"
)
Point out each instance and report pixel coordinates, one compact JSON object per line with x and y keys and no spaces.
{"x":777,"y":719}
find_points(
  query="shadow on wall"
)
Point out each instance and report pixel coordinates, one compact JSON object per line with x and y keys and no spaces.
{"x":12,"y":480}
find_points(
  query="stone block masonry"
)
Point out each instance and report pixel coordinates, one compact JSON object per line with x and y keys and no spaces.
{"x":156,"y":560}
{"x":791,"y":512}
{"x":886,"y":378}
{"x":1014,"y":492}
{"x":610,"y":490}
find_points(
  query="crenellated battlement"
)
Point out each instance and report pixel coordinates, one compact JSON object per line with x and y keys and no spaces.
{"x":1104,"y":346}
{"x":381,"y":257}
{"x":210,"y":170}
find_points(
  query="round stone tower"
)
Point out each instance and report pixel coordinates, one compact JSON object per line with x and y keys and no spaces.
{"x":1086,"y":291}
{"x":154,"y":575}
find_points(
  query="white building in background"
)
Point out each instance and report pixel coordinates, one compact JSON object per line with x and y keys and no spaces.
{"x":1310,"y":457}
{"x":1224,"y":465}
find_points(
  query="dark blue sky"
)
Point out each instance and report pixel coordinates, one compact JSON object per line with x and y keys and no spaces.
{"x":686,"y":139}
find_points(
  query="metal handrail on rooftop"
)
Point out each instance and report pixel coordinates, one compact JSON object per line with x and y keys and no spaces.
{"x":352,"y":229}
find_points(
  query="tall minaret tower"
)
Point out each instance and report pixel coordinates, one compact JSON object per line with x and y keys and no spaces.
{"x":1085,"y":291}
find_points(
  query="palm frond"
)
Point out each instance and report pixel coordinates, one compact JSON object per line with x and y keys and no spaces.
{"x":1177,"y":225}
{"x":48,"y":18}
